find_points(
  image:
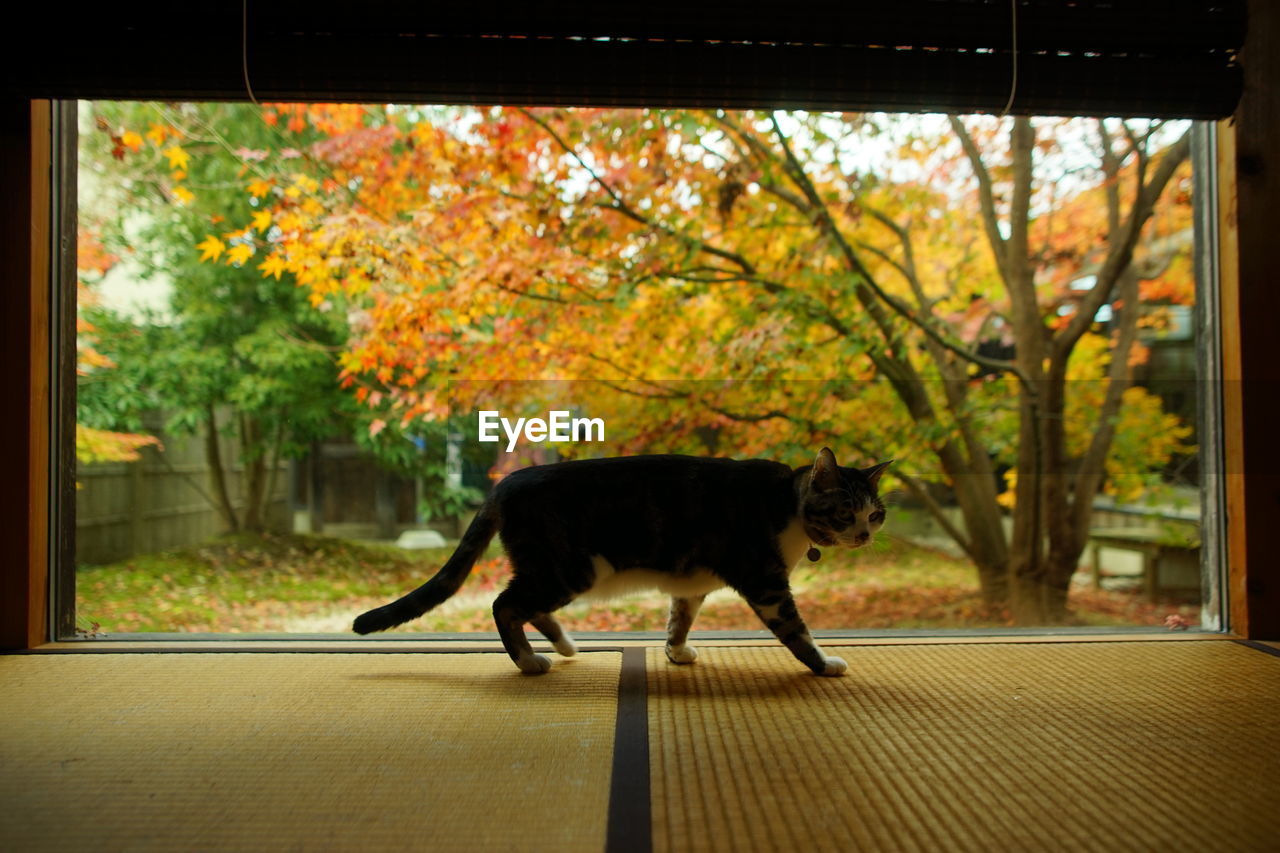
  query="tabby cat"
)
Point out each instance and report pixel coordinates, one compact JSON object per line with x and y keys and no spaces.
{"x":681,"y":524}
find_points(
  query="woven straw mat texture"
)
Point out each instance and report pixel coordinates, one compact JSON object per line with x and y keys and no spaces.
{"x":304,"y":751}
{"x":1067,"y":746}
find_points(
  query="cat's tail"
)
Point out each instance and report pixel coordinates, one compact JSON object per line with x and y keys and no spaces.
{"x":443,"y":583}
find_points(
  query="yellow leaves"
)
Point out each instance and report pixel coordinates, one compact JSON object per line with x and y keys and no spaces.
{"x":259,"y":188}
{"x":290,"y":221}
{"x":211,"y":248}
{"x":178,"y":159}
{"x":157,"y":134}
{"x":262,"y":220}
{"x":1009,"y":497}
{"x":273,"y":265}
{"x":183,"y":195}
{"x":239,"y":253}
{"x":356,"y":282}
{"x":132,"y":140}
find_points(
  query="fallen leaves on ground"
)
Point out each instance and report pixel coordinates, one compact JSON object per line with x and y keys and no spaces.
{"x":273,"y":583}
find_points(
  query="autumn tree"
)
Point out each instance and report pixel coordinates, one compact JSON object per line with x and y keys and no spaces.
{"x":759,"y":276}
{"x":231,"y":351}
{"x":94,"y":443}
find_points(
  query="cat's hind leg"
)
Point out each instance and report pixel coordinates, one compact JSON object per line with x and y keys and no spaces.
{"x":683,"y":612}
{"x":551,"y":629}
{"x":510,"y":613}
{"x":531,"y":596}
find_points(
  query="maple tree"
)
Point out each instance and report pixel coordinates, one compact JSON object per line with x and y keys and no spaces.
{"x":759,"y":284}
{"x":94,"y":444}
{"x":227,"y":352}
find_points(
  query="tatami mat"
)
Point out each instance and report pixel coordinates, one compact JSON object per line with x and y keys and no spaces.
{"x":1114,"y":746}
{"x":304,"y":752}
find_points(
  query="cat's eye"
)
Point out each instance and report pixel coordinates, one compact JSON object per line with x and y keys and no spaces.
{"x":876,"y":517}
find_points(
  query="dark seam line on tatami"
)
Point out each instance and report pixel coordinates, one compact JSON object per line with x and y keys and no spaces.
{"x":304,"y":650}
{"x":1262,"y":647}
{"x":629,"y":828}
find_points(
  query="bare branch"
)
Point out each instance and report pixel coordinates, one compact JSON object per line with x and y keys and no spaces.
{"x":986,"y":192}
{"x":908,"y":265}
{"x":1120,"y":254}
{"x":865,"y":278}
{"x":1111,"y":177}
{"x":1093,"y":463}
{"x":920,"y":493}
{"x":618,"y":204}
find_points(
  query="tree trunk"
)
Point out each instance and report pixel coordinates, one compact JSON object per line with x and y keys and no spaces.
{"x":255,"y":476}
{"x":988,"y":544}
{"x":255,"y":472}
{"x":1026,"y":560}
{"x":217,"y":474}
{"x":273,"y":470}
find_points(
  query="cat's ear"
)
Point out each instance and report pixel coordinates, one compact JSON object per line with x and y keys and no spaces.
{"x":826,"y":473}
{"x":873,"y":473}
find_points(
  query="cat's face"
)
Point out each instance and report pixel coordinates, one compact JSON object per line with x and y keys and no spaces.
{"x":841,"y":506}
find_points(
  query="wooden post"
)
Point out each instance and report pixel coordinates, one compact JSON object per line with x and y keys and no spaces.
{"x":1249,"y":202}
{"x":25,"y":165}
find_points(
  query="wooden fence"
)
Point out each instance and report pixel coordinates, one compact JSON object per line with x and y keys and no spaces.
{"x":157,"y":503}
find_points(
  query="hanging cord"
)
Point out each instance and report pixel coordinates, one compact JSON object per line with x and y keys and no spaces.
{"x":244,"y":50}
{"x":1013,"y":83}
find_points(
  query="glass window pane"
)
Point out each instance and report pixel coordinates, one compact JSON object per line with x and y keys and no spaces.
{"x":312,"y":337}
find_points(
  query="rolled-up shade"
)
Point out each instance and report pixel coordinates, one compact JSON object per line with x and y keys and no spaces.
{"x":1175,"y":58}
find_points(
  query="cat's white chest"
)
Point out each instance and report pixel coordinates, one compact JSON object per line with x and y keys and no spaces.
{"x":793,"y":542}
{"x":611,"y":583}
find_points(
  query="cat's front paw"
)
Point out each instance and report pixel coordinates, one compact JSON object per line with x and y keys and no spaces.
{"x":834,"y":666}
{"x":565,"y":646}
{"x":534,"y":664}
{"x":683,"y":653}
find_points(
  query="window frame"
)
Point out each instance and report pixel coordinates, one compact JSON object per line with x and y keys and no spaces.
{"x":62,"y":549}
{"x":1249,"y":203}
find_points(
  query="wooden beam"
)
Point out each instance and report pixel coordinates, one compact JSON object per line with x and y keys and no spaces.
{"x":25,"y":162}
{"x":1249,"y":181}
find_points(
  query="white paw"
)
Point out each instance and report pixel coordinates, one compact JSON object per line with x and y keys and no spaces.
{"x":683,"y":653}
{"x":835,"y":666}
{"x":566,"y":646}
{"x":534,"y":664}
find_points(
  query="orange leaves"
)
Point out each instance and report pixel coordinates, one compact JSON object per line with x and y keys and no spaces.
{"x":95,"y":445}
{"x":91,"y":255}
{"x":636,"y":246}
